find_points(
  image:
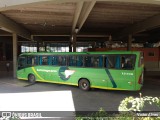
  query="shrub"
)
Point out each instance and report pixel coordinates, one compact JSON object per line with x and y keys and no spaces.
{"x":127,"y":110}
{"x":137,"y":104}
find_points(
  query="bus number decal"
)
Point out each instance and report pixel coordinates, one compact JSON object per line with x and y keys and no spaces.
{"x":124,"y":73}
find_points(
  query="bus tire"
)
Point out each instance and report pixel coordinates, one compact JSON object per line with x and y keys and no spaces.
{"x":84,"y":84}
{"x":31,"y":78}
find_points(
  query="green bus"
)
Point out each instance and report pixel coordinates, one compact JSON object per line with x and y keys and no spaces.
{"x":113,"y":70}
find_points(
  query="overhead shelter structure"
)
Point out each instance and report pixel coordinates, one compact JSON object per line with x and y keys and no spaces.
{"x":78,"y":20}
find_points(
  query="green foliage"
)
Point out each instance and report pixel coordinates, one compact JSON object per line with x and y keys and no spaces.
{"x":10,"y":118}
{"x":127,"y":110}
{"x":137,"y":104}
{"x":94,"y":116}
{"x":14,"y":118}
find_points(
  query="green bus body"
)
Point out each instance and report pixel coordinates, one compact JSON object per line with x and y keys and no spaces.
{"x":102,"y":70}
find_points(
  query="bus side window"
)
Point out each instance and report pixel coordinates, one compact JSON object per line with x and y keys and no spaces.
{"x":59,"y":60}
{"x":44,"y":60}
{"x":32,"y":60}
{"x":79,"y":61}
{"x":118,"y":59}
{"x":21,"y":62}
{"x":106,"y":62}
{"x":100,"y":64}
{"x":49,"y":60}
{"x":63,"y":60}
{"x":110,"y":61}
{"x":29,"y":61}
{"x":35,"y":60}
{"x":94,"y":61}
{"x":122,"y":62}
{"x":129,"y":62}
{"x":40,"y":60}
{"x":55,"y":60}
{"x":72,"y":61}
{"x":87,"y":61}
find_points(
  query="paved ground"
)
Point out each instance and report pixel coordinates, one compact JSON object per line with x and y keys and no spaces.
{"x":85,"y":100}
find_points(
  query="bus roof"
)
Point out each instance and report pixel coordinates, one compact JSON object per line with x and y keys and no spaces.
{"x":80,"y":53}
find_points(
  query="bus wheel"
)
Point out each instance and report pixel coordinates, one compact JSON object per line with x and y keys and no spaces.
{"x":31,"y":78}
{"x":84,"y":84}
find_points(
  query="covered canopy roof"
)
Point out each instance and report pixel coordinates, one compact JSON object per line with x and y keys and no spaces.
{"x":89,"y":19}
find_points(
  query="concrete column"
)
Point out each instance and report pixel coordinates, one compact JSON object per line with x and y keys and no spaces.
{"x":14,"y":55}
{"x":74,"y":42}
{"x":129,"y":42}
{"x":45,"y":46}
{"x":94,"y":45}
{"x":4,"y":51}
{"x":159,"y":59}
{"x":70,"y":44}
{"x":37,"y":46}
{"x":110,"y":42}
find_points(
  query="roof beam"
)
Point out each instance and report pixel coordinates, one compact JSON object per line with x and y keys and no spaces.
{"x":94,"y":36}
{"x":9,"y":25}
{"x":86,"y":9}
{"x":83,"y":9}
{"x":145,"y":25}
{"x":77,"y":15}
{"x":85,"y":35}
{"x":8,"y":4}
{"x":135,"y":1}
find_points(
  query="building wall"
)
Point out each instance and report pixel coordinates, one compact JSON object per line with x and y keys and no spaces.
{"x":6,"y":48}
{"x":3,"y":66}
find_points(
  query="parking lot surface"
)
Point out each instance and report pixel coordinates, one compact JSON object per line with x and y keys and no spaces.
{"x":91,"y":100}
